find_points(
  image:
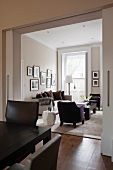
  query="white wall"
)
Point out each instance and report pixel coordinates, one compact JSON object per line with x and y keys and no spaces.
{"x":107,"y":135}
{"x":35,"y":53}
{"x":9,"y":65}
{"x":95,"y":66}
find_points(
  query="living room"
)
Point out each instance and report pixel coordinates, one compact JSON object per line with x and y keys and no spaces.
{"x":37,"y":54}
{"x":46,"y":58}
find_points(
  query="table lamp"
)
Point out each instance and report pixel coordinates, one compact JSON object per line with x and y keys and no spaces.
{"x":68,"y":79}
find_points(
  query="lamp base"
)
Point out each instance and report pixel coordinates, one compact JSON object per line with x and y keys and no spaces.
{"x":69,"y":88}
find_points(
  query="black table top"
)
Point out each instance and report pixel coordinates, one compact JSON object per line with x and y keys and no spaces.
{"x":16,"y":139}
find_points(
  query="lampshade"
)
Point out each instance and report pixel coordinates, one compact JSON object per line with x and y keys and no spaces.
{"x":68,"y":79}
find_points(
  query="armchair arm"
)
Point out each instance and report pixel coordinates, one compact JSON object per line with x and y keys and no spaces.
{"x":68,"y":97}
{"x":81,"y":112}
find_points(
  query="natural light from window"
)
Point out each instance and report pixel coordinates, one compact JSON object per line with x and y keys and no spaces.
{"x":75,"y":65}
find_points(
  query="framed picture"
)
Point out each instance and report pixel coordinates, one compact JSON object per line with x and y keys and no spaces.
{"x":49,"y":73}
{"x":53,"y":79}
{"x":95,"y":83}
{"x":36,"y":71}
{"x":95,"y":74}
{"x":42,"y":77}
{"x":34,"y":84}
{"x":48,"y":82}
{"x":29,"y":71}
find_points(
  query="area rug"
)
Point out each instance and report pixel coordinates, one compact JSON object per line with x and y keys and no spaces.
{"x":91,"y":128}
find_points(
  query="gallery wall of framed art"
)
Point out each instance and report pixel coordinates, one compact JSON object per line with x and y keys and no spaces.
{"x":46,"y":78}
{"x":41,"y":62}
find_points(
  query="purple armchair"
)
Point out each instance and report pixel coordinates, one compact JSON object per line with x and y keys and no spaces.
{"x":95,"y":99}
{"x":69,"y":112}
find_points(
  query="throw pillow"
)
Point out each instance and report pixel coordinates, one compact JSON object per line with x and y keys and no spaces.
{"x":39,"y":96}
{"x":47,"y":93}
{"x":50,"y":93}
{"x":57,"y":95}
{"x":44,"y":94}
{"x":62,"y":94}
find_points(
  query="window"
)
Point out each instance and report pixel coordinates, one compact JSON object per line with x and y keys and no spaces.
{"x":75,"y":65}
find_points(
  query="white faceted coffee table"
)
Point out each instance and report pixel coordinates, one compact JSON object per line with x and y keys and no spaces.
{"x":49,"y":117}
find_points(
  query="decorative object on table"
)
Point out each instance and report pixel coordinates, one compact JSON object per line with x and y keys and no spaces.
{"x":34,"y":84}
{"x":95,"y":74}
{"x":86,"y":98}
{"x":95,"y":83}
{"x":29,"y":71}
{"x":53,"y":79}
{"x":42,"y":78}
{"x":36,"y":71}
{"x":49,"y":73}
{"x":48,"y":82}
{"x":68,"y":79}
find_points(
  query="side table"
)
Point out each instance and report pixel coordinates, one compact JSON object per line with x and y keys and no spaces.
{"x":49,"y":117}
{"x":87,"y":112}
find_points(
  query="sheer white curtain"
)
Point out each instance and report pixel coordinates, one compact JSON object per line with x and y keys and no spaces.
{"x":75,"y":64}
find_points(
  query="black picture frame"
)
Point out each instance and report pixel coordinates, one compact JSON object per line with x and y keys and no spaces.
{"x":34,"y":84}
{"x":95,"y":82}
{"x":49,"y":73}
{"x":29,"y":71}
{"x":53,"y":79}
{"x":95,"y":74}
{"x":36,"y":71}
{"x":42,"y":78}
{"x":48,"y":82}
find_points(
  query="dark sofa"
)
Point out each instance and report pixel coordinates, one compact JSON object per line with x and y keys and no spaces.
{"x":49,"y":99}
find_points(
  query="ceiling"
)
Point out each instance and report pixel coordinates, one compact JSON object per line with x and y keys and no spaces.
{"x":71,"y":35}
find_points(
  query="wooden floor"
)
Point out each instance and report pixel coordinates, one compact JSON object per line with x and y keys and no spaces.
{"x":78,"y":153}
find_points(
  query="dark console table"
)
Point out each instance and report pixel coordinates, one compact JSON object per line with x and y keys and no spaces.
{"x":88,"y":108}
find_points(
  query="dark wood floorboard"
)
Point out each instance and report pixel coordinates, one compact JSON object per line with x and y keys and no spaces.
{"x":78,"y":153}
